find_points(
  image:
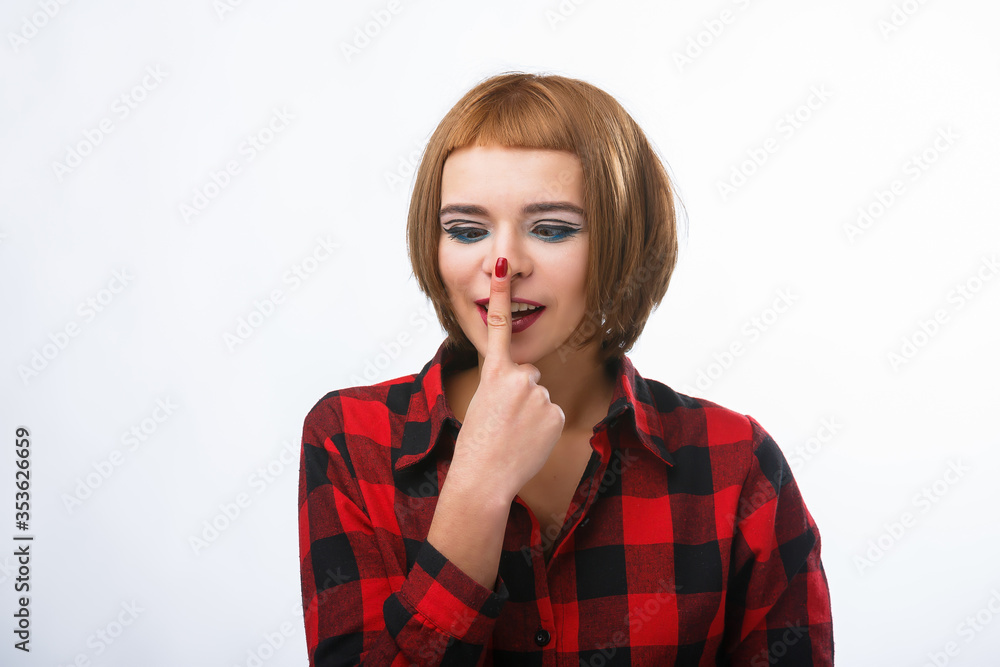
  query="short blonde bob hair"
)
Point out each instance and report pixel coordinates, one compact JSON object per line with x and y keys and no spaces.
{"x":628,"y":197}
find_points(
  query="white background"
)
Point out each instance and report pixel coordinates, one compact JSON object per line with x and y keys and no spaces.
{"x":339,"y":171}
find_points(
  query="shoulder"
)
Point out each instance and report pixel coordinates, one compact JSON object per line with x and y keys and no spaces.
{"x":723,"y":448}
{"x":349,"y":434}
{"x":699,"y":434}
{"x":361,"y":405}
{"x":700,"y":421}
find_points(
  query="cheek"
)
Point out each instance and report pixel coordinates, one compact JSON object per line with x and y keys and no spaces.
{"x":446,"y":266}
{"x":576,"y":274}
{"x":455,"y":285}
{"x":576,"y":282}
{"x":446,"y":269}
{"x":457,"y":267}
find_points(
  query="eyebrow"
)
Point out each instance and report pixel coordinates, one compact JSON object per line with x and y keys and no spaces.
{"x":529,"y":209}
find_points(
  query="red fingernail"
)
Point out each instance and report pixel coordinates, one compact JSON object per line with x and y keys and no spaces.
{"x":501,"y":268}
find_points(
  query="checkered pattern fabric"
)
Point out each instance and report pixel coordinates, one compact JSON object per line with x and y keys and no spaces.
{"x":687,"y":542}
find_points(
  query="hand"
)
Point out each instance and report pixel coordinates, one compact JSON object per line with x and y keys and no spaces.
{"x":510,"y":426}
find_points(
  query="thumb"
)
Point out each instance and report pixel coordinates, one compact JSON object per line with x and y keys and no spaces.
{"x":498,"y":316}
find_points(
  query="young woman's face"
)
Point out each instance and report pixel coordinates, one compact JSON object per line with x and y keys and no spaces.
{"x":490,"y":197}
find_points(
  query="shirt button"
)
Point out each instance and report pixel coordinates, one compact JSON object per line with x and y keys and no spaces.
{"x":542,"y":637}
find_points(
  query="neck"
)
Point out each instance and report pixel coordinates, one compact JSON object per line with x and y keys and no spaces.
{"x":576,"y":382}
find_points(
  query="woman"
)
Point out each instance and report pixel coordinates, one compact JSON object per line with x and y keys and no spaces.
{"x":528,"y":497}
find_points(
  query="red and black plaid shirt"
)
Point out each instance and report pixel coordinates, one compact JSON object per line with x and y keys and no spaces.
{"x":687,"y":542}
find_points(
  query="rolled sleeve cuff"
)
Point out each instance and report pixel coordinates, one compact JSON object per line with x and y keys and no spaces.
{"x":448,"y":599}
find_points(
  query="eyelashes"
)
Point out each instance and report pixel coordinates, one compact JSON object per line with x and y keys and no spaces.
{"x":547,"y":233}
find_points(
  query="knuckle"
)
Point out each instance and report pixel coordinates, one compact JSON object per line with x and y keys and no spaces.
{"x":528,"y":382}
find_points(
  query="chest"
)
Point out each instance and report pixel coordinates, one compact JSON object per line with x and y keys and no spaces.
{"x":550,"y":493}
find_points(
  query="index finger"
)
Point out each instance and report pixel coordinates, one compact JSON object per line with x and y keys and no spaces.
{"x":498,"y":315}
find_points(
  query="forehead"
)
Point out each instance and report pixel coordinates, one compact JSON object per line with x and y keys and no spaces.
{"x":484,"y":171}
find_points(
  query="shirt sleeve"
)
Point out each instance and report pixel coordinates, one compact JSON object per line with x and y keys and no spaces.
{"x":778,"y":602}
{"x":357,"y":612}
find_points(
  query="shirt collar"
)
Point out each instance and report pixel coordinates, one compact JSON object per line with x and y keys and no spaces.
{"x":632,"y":407}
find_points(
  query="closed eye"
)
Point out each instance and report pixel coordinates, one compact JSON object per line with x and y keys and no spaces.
{"x":550,"y":233}
{"x":557,"y":233}
{"x":465,"y":234}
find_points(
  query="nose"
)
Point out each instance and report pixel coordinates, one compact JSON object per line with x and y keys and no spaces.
{"x":508,"y":242}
